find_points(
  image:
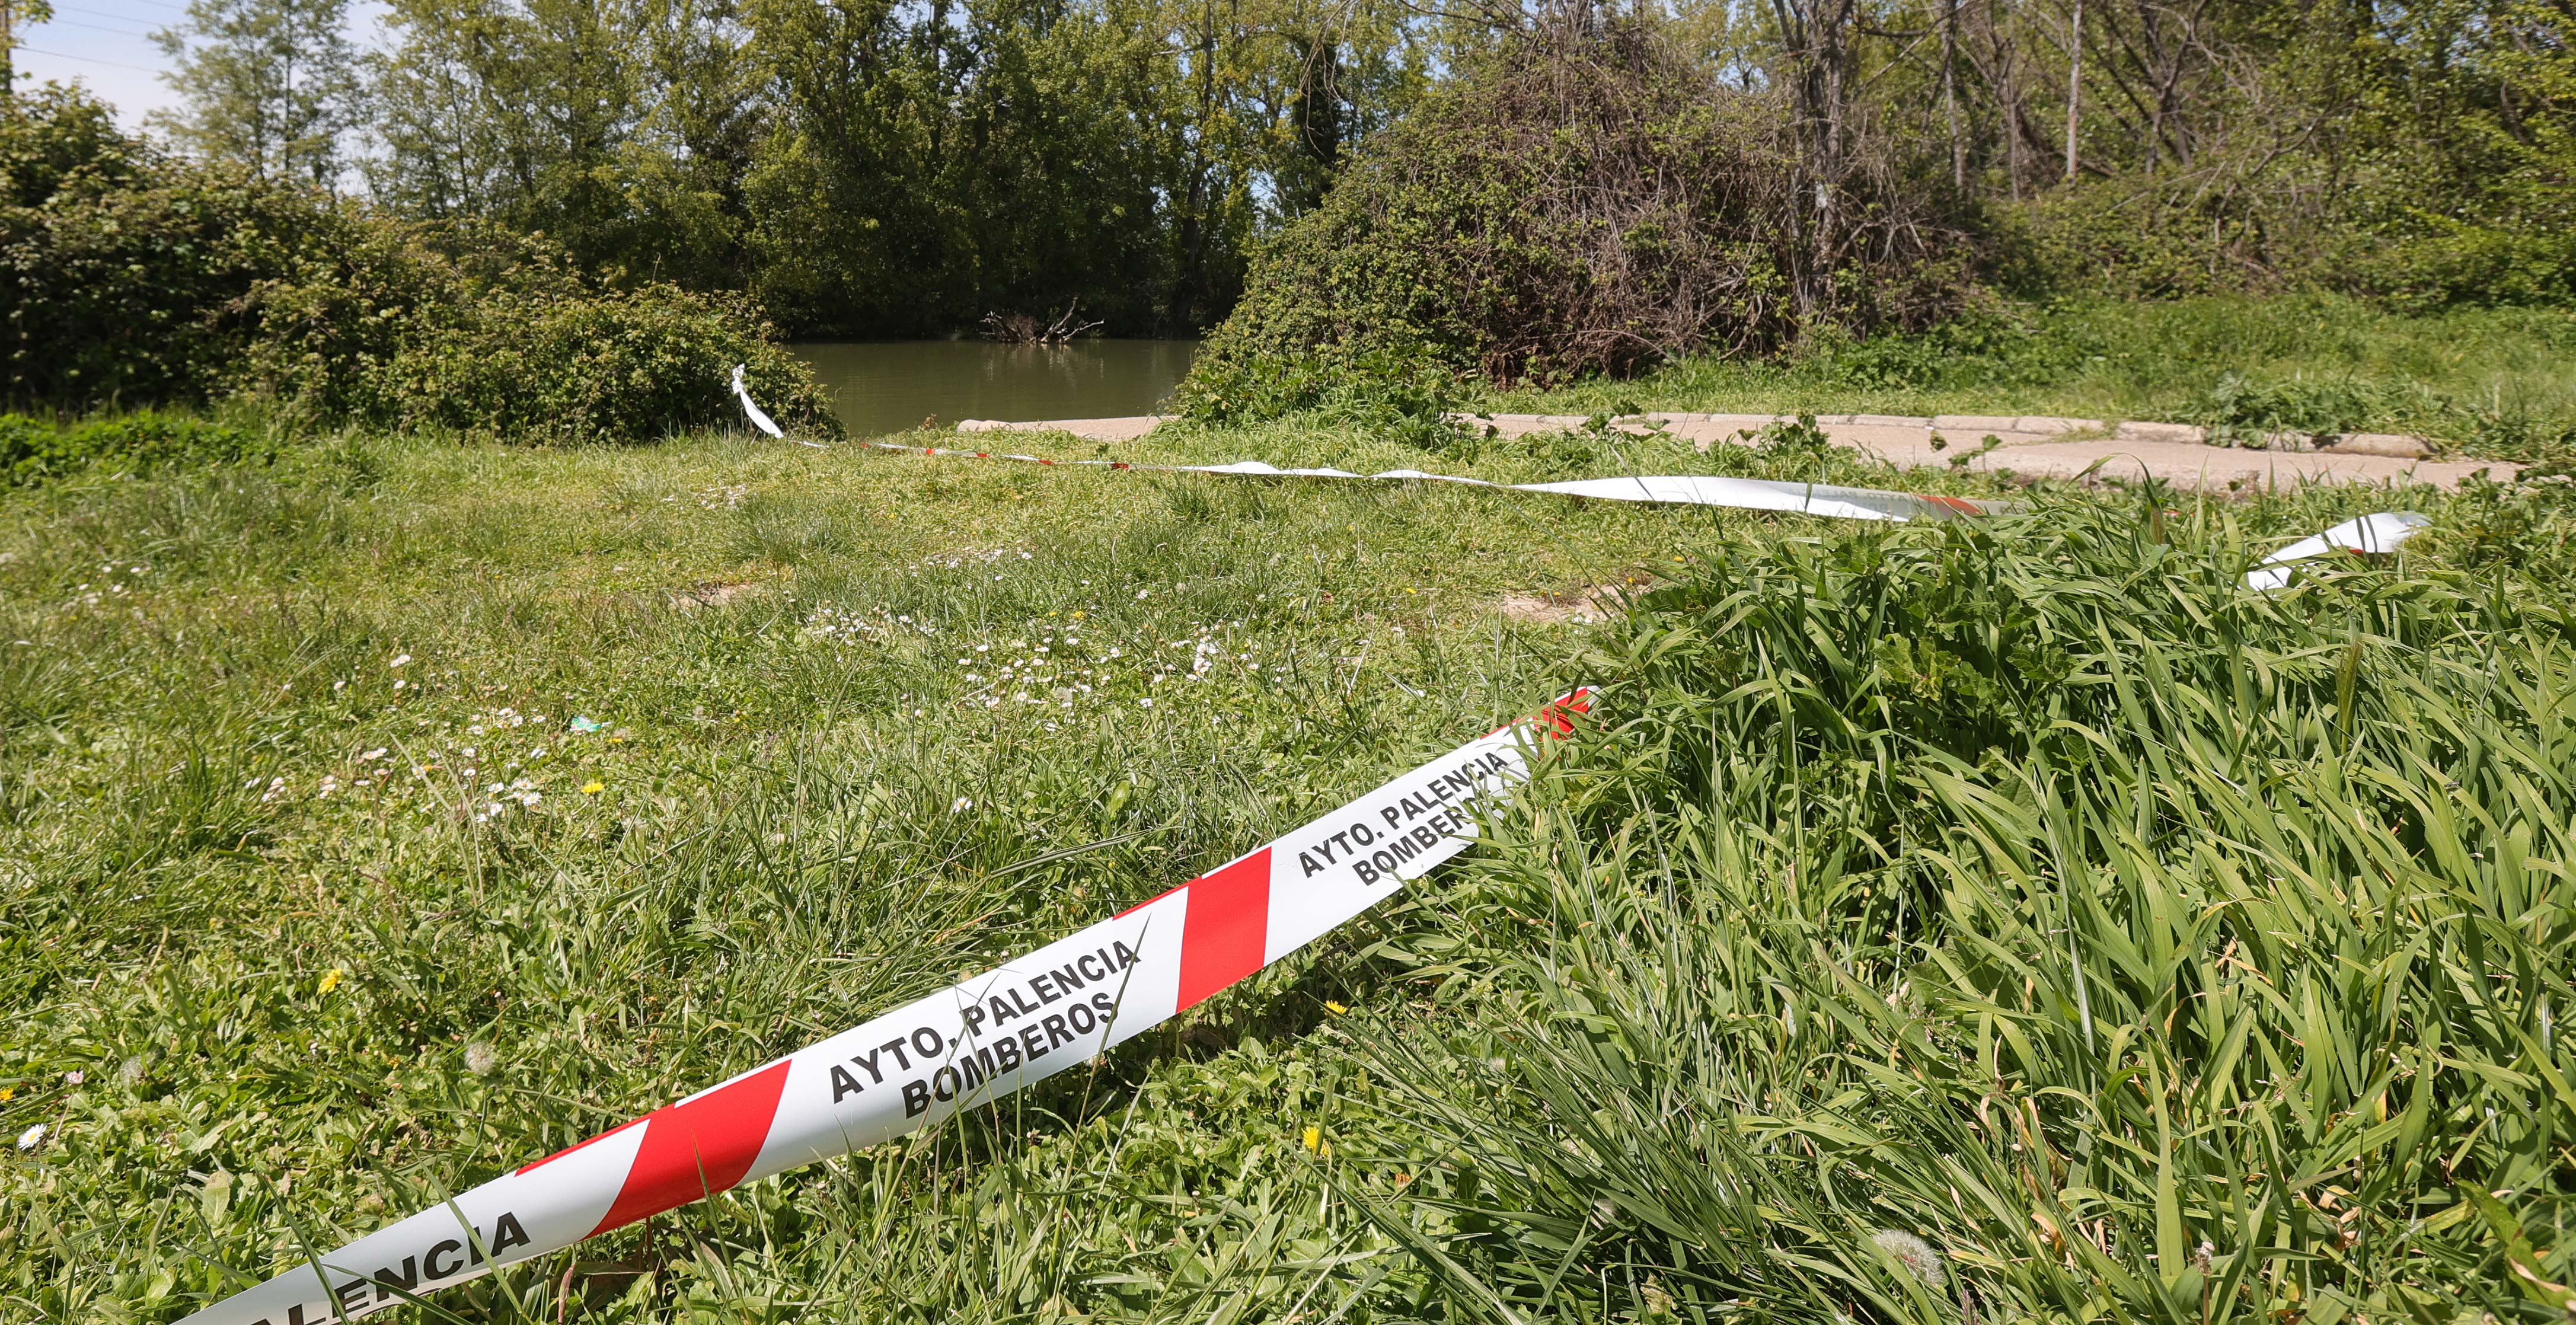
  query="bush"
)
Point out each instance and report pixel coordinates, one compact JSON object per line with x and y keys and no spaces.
{"x":123,"y":269}
{"x":2416,"y":231}
{"x":1410,"y":389}
{"x":1584,"y":204}
{"x":619,"y":366}
{"x":31,"y":450}
{"x":137,"y":279}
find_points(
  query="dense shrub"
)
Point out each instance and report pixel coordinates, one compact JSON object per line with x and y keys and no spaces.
{"x":137,"y":279}
{"x":618,"y":365}
{"x":2318,"y":220}
{"x":120,"y":268}
{"x":31,"y":449}
{"x":1585,"y":204}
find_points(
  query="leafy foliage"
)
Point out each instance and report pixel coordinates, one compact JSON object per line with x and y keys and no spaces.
{"x":1582,"y":205}
{"x":123,"y":269}
{"x":620,"y":365}
{"x":142,"y":279}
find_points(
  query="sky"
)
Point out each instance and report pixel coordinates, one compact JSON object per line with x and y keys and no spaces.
{"x":107,"y":44}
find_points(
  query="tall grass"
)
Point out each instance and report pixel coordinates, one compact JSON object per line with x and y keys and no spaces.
{"x":2024,"y":921}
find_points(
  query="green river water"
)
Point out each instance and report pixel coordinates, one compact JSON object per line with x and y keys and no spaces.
{"x":885,"y":386}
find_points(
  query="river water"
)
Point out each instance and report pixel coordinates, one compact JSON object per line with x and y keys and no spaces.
{"x":885,"y":386}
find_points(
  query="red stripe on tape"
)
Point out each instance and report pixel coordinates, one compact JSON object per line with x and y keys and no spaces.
{"x":1556,"y":715}
{"x":1227,"y":928}
{"x":698,"y":1147}
{"x":1553,"y":716}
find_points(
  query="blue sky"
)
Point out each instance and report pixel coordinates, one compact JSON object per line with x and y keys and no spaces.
{"x":107,"y":44}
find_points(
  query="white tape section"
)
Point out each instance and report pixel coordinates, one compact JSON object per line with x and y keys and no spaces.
{"x":2380,"y":531}
{"x":759,"y":417}
{"x":959,"y":1048}
{"x":1755,"y":494}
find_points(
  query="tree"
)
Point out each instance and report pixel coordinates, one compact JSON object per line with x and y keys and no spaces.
{"x":273,"y":84}
{"x":16,"y":14}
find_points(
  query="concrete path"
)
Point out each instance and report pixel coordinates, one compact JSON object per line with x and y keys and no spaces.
{"x":2024,"y":446}
{"x":2039,"y":446}
{"x":1125,"y":429}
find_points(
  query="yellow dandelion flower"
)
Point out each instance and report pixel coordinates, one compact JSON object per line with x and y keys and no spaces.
{"x":1314,"y":1138}
{"x":331,"y":979}
{"x":1335,"y":1008}
{"x":593,"y":787}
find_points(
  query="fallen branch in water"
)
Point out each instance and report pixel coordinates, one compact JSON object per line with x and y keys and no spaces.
{"x":1025,"y":329}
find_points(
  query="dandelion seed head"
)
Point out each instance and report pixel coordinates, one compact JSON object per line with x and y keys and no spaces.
{"x":1913,"y":1253}
{"x":480,"y":1060}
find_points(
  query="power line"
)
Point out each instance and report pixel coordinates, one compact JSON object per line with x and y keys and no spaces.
{"x":86,"y":59}
{"x":93,"y":27}
{"x":97,"y":13}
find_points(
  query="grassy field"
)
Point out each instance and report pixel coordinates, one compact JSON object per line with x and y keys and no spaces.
{"x":1944,"y":923}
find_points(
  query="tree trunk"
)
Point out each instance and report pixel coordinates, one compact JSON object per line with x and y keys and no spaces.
{"x":1950,"y":93}
{"x":2074,"y":85}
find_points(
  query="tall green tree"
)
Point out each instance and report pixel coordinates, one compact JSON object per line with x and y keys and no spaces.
{"x":274,"y":84}
{"x":878,"y":168}
{"x":15,"y":17}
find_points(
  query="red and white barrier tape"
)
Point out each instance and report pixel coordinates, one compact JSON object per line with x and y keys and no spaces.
{"x":962,"y":1047}
{"x":760,"y":417}
{"x":1753,"y":494}
{"x":2379,"y":531}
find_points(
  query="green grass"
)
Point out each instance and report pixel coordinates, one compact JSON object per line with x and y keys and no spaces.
{"x":2497,"y":383}
{"x":296,"y":1015}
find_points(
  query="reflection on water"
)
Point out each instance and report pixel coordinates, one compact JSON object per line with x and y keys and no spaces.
{"x":884,"y":386}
